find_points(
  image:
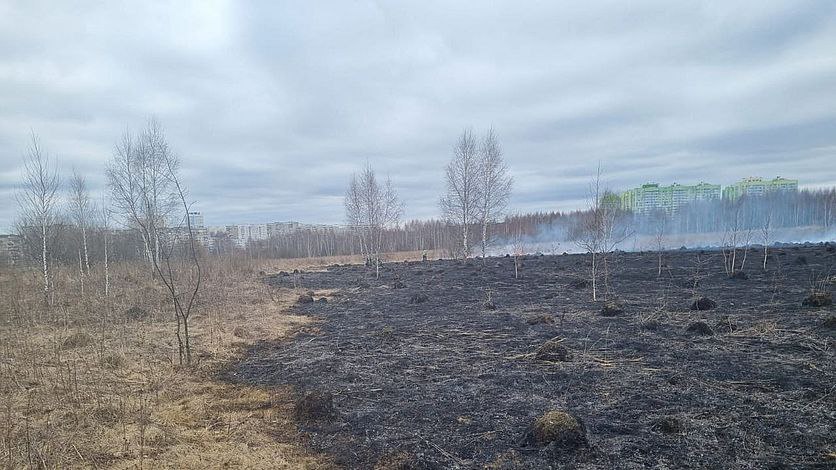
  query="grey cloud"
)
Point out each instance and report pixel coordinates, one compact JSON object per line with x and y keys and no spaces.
{"x":272,"y":106}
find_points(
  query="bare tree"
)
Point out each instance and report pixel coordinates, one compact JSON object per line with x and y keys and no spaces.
{"x":736,"y":235}
{"x":460,"y":204}
{"x":105,"y":216}
{"x":140,"y":186}
{"x":370,"y":209}
{"x":599,"y":233}
{"x":660,"y":226}
{"x":81,"y":213}
{"x":495,"y":185}
{"x":37,"y":201}
{"x":145,"y":185}
{"x":355,"y":214}
{"x":766,"y":231}
{"x":519,"y":248}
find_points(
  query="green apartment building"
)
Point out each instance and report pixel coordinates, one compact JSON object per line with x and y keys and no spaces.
{"x":758,"y":187}
{"x":651,"y":196}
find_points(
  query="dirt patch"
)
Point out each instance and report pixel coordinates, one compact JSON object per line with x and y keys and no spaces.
{"x":315,"y":406}
{"x":469,"y":385}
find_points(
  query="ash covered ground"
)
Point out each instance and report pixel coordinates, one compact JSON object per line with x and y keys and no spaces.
{"x":435,"y":364}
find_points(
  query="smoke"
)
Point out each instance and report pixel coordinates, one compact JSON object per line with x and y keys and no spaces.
{"x":554,"y":242}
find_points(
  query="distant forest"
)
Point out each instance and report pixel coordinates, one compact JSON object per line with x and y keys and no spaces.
{"x":776,"y":211}
{"x":805,"y":208}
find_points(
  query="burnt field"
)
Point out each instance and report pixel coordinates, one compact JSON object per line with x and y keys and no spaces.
{"x":441,"y":364}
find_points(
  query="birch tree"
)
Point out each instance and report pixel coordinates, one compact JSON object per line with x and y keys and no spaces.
{"x":460,"y":204}
{"x":106,"y":215}
{"x":600,"y":233}
{"x":38,"y":202}
{"x":495,"y":186}
{"x":140,"y":185}
{"x":371,"y":208}
{"x":144,"y":180}
{"x":81,"y":213}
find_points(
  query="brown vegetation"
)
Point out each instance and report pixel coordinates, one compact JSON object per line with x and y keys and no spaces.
{"x":93,"y":381}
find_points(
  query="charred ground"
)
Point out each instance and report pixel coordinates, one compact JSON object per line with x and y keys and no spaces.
{"x":424,"y":374}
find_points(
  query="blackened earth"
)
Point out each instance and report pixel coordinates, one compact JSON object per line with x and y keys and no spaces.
{"x":449,"y":383}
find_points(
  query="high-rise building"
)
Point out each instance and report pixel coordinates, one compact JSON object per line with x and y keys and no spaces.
{"x":196,"y":219}
{"x":10,"y":249}
{"x":755,"y":187}
{"x":242,"y":234}
{"x":652,"y":196}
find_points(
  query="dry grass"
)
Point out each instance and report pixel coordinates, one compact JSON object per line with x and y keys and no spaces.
{"x":84,"y":385}
{"x":314,"y":264}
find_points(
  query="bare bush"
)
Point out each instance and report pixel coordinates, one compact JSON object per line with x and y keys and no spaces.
{"x":144,"y":181}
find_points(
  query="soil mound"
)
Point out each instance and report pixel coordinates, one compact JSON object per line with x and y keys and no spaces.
{"x":818,"y":299}
{"x":558,"y":428}
{"x":699,"y":328}
{"x":540,"y":320}
{"x":418,"y":298}
{"x":578,"y":283}
{"x":669,"y":425}
{"x":315,"y":406}
{"x":703,"y":303}
{"x":612,"y":308}
{"x":553,"y":351}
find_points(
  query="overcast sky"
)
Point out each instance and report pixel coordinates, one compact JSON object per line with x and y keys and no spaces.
{"x":272,"y":105}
